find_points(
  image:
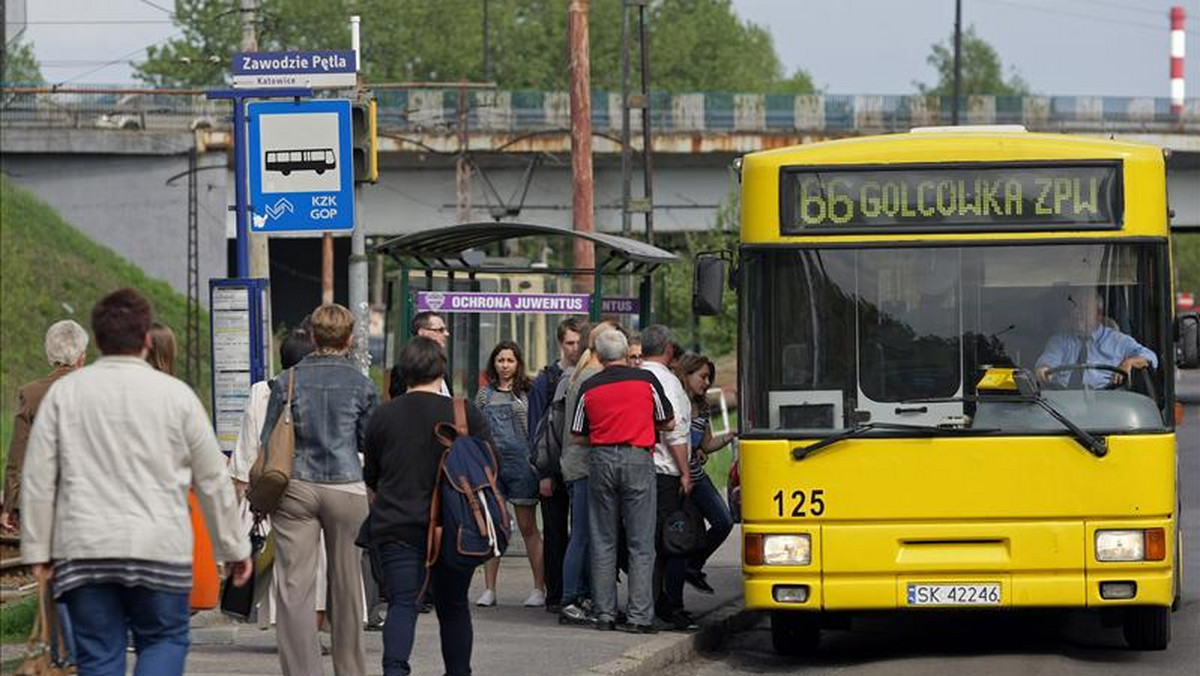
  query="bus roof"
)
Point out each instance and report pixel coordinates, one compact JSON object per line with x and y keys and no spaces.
{"x":1143,"y":184}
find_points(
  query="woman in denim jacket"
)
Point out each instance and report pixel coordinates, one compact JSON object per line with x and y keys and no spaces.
{"x":331,"y":404}
{"x":504,"y":401}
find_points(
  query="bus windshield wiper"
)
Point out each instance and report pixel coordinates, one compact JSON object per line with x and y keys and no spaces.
{"x":1095,"y":446}
{"x":801,"y":452}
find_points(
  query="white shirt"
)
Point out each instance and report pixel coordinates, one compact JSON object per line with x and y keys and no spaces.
{"x":664,"y":462}
{"x":113,"y":451}
{"x":246,"y":450}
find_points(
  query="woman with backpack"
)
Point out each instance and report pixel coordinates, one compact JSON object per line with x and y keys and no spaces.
{"x":504,"y":402}
{"x":401,"y":464}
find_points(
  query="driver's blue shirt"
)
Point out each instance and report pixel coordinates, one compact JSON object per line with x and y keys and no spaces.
{"x":1105,"y":346}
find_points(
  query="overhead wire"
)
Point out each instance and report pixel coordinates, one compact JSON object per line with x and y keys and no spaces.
{"x":119,"y":59}
{"x":1082,"y":15}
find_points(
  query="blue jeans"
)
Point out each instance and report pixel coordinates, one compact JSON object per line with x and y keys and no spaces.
{"x":720,"y":522}
{"x":403,"y":569}
{"x":576,"y":571}
{"x":64,"y":621}
{"x":102,"y":616}
{"x":621,"y":492}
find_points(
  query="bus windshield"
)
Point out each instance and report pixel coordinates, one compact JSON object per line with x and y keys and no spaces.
{"x":837,"y":337}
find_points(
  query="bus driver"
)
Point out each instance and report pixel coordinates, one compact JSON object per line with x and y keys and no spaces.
{"x":1091,"y":340}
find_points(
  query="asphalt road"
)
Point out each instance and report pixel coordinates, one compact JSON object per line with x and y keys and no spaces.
{"x":1023,"y":644}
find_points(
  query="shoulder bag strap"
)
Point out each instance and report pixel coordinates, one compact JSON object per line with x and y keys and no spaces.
{"x":460,"y":417}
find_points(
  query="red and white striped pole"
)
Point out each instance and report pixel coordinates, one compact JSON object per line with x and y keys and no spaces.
{"x":1177,"y":60}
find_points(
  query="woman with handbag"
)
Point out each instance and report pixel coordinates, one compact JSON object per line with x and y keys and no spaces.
{"x":401,"y":470}
{"x":697,"y":372}
{"x":504,"y":402}
{"x":328,"y":402}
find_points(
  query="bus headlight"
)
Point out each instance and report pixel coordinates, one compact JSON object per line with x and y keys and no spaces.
{"x":1131,"y":545}
{"x":787,"y":550}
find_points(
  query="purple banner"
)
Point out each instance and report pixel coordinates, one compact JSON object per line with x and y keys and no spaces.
{"x":620,"y":306}
{"x":536,"y":303}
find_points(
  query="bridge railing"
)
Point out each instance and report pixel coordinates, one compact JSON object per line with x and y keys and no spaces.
{"x":518,"y":112}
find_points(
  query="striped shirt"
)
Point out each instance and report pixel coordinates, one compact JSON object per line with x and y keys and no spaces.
{"x":698,"y":429}
{"x":157,"y":575}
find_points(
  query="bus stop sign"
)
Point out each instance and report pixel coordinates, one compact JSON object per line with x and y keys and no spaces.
{"x":301,"y":166}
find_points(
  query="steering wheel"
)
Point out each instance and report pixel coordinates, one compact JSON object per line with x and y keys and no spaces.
{"x":1070,"y":368}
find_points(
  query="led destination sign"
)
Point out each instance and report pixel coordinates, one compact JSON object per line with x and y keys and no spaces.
{"x":930,"y":198}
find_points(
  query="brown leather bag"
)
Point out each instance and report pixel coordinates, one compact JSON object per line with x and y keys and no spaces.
{"x":272,"y":469}
{"x":39,"y":655}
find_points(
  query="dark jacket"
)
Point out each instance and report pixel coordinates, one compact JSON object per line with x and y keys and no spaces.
{"x":401,"y":463}
{"x":331,"y":404}
{"x":29,"y":398}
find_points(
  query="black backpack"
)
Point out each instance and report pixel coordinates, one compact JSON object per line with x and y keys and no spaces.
{"x":546,"y":449}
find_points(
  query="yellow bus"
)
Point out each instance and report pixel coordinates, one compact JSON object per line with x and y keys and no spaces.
{"x":956,"y":359}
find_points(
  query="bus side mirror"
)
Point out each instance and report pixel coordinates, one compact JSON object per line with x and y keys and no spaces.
{"x":1187,"y":341}
{"x":708,"y":284}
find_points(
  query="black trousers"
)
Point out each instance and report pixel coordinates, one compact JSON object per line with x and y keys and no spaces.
{"x":556,"y":512}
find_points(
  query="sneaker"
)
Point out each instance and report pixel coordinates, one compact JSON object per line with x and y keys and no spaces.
{"x":536,"y":599}
{"x":574,"y":614}
{"x":631,"y":628}
{"x":605,"y":624}
{"x":374,"y":625}
{"x":699,"y":581}
{"x":680,"y":620}
{"x":487,"y":598}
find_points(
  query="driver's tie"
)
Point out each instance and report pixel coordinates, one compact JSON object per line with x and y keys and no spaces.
{"x":1076,"y":380}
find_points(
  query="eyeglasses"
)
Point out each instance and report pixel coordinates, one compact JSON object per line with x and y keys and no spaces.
{"x":635,"y":357}
{"x":437,"y":329}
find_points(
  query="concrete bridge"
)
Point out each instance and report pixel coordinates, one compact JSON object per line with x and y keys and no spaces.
{"x":103,"y":157}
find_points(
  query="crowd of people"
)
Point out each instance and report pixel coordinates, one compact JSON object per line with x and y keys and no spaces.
{"x":608,"y":441}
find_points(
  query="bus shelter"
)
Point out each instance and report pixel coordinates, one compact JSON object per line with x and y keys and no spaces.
{"x":486,"y":295}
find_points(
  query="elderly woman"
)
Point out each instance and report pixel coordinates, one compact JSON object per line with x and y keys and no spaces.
{"x":331,"y":404}
{"x":401,"y":468}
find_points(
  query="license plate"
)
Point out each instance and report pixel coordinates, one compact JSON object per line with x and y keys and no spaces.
{"x":974,"y":594}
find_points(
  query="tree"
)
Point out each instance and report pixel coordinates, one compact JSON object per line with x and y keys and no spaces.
{"x":696,"y":45}
{"x":21,"y":66}
{"x":982,"y":70}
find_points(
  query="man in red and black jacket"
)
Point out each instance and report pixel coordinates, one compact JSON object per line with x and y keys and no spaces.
{"x":621,"y":410}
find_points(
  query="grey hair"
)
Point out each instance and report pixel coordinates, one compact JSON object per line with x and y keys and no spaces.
{"x":66,"y":341}
{"x":611,"y":346}
{"x":655,"y":340}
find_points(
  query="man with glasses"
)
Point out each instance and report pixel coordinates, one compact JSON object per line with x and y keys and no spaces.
{"x":432,"y":325}
{"x":635,"y":351}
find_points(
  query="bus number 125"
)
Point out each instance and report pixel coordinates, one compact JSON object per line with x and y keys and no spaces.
{"x":815,"y":503}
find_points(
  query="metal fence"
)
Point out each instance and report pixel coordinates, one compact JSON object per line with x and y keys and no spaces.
{"x":436,"y":110}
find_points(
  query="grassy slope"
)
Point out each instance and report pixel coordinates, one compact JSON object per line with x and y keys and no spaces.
{"x":50,"y":271}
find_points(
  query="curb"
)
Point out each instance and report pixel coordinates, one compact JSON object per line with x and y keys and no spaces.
{"x":669,"y":649}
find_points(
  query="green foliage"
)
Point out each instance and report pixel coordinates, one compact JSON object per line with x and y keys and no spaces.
{"x":50,"y":272}
{"x":715,"y":336}
{"x":16,"y":619}
{"x":696,"y":45}
{"x":982,"y":70}
{"x":1187,"y":262}
{"x":21,"y":65}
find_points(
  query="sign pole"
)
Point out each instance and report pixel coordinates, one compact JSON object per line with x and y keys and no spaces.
{"x":241,"y":208}
{"x":358,"y":245}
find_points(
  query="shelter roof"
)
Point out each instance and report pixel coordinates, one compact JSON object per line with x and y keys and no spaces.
{"x":446,"y":247}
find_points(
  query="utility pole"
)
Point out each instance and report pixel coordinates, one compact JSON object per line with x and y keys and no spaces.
{"x":358,"y":243}
{"x":957,"y":59}
{"x":582,"y":199}
{"x":259,"y":243}
{"x":462,"y":170}
{"x":487,"y":45}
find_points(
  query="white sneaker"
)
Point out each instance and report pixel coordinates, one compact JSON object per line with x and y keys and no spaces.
{"x":537,"y":598}
{"x":487,"y":598}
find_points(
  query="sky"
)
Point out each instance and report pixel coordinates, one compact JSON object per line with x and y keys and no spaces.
{"x":1060,"y":47}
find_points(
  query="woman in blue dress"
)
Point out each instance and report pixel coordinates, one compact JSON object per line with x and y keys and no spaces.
{"x":504,"y":401}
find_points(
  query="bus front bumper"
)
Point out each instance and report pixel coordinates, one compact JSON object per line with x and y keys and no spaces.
{"x":1041,"y":564}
